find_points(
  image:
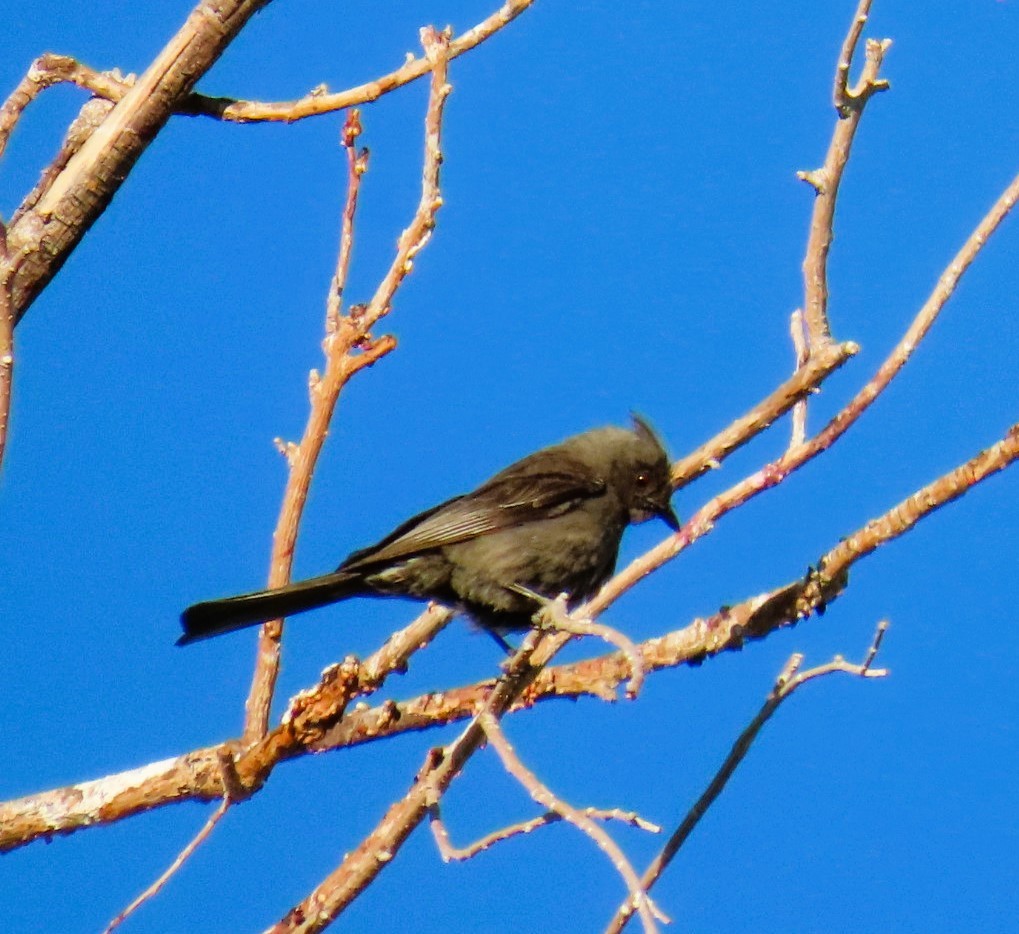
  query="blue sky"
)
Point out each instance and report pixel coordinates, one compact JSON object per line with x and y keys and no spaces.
{"x":622,"y":230}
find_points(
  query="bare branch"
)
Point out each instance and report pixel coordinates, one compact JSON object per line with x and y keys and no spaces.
{"x":157,"y":886}
{"x":544,"y":796}
{"x":302,"y":458}
{"x":801,"y":348}
{"x":45,"y":72}
{"x":321,"y":102}
{"x":344,"y":335}
{"x":901,"y":518}
{"x":841,"y":94}
{"x":6,"y":361}
{"x":359,"y":868}
{"x":788,"y":681}
{"x":50,"y":69}
{"x":826,"y":180}
{"x":451,"y":853}
{"x":75,"y":197}
{"x":822,"y":362}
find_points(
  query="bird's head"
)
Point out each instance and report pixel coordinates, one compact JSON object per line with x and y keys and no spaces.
{"x":642,"y":473}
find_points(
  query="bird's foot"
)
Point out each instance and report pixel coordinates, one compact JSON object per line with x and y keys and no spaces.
{"x":554,"y":616}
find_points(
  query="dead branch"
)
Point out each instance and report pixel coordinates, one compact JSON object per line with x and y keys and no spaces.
{"x":826,"y":180}
{"x":544,"y":796}
{"x":821,"y":363}
{"x":451,"y":853}
{"x":6,"y":359}
{"x":801,"y":348}
{"x":50,"y":69}
{"x":348,"y":334}
{"x":788,"y":681}
{"x":76,"y":196}
{"x":441,"y":767}
{"x":342,"y":363}
{"x":321,"y":101}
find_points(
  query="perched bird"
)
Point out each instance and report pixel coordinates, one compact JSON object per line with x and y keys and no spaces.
{"x":549,"y":524}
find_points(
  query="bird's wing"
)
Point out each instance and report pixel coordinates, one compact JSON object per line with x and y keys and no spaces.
{"x":518,"y":495}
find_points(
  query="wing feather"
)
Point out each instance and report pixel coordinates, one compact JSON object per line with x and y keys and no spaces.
{"x":525,"y":492}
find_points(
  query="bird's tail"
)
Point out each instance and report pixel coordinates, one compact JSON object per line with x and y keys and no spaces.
{"x":214,"y":617}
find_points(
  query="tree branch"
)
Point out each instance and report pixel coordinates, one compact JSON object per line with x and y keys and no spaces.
{"x":544,"y":796}
{"x":788,"y":681}
{"x":321,"y":101}
{"x":826,"y":180}
{"x":341,"y":364}
{"x":347,"y":334}
{"x":451,"y":853}
{"x":359,"y":868}
{"x":6,"y":360}
{"x":79,"y":193}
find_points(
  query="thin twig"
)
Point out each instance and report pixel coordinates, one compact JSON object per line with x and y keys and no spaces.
{"x":414,"y":238}
{"x":343,"y":335}
{"x":322,"y":102}
{"x":303,"y":458}
{"x":802,"y":350}
{"x":840,"y":89}
{"x":451,"y":853}
{"x":544,"y":796}
{"x":157,"y":886}
{"x":6,"y":360}
{"x":788,"y":681}
{"x":826,"y":180}
{"x":357,"y":165}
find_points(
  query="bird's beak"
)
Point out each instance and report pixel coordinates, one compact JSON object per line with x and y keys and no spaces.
{"x":668,"y":515}
{"x":659,"y":505}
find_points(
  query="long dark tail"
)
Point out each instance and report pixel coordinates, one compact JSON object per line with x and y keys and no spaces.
{"x":214,"y":617}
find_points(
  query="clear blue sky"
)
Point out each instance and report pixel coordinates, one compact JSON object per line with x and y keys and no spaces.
{"x":622,"y":230}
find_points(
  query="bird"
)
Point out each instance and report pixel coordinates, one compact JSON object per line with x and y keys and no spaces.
{"x":547,"y":525}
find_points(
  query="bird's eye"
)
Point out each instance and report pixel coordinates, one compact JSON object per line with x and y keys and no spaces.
{"x":643,"y":478}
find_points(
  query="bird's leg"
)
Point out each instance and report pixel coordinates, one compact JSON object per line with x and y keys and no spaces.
{"x":501,"y":641}
{"x":552,"y":614}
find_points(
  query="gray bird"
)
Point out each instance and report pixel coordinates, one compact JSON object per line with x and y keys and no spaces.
{"x":549,"y":524}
